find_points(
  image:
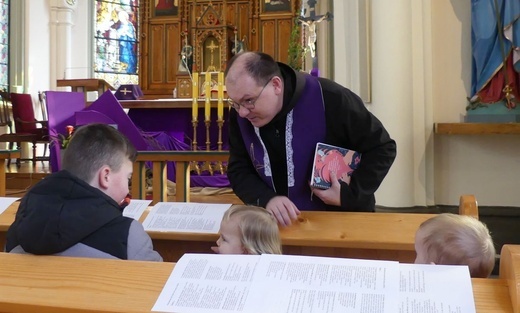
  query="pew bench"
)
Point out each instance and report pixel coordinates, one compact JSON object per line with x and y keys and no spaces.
{"x":383,"y":236}
{"x":46,"y":284}
{"x":6,"y":155}
{"x":158,"y":159}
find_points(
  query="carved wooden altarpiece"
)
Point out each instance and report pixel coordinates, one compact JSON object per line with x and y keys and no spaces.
{"x":210,"y":28}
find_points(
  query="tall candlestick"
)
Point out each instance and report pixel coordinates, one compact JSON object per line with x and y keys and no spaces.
{"x":207,"y":106}
{"x":195,"y":94}
{"x":220,"y":104}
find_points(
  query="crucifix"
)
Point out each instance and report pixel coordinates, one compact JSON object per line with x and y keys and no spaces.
{"x":211,"y":47}
{"x":310,"y":23}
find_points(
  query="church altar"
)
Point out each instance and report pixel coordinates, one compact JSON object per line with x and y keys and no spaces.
{"x":164,"y":124}
{"x":169,"y":121}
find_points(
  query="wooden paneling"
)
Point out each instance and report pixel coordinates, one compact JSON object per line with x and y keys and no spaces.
{"x":157,"y":48}
{"x":184,"y":87}
{"x":284,"y":32}
{"x":269,"y":37}
{"x":173,"y":37}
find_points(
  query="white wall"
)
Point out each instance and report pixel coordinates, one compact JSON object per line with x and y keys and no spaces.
{"x":421,"y":72}
{"x":487,"y":166}
{"x":40,"y":42}
{"x":37,"y":46}
{"x":401,"y":98}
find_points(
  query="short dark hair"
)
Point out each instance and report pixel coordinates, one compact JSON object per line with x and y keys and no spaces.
{"x":261,"y":66}
{"x":93,"y":146}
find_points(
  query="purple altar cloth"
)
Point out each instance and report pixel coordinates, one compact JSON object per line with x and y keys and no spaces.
{"x":148,"y":129}
{"x":129,"y":92}
{"x":61,"y":106}
{"x":167,"y":142}
{"x":177,"y":123}
{"x":173,"y":130}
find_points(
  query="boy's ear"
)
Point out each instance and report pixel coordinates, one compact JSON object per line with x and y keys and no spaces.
{"x":104,"y":177}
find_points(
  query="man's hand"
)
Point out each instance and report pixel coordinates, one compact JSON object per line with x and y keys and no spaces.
{"x":331,"y":196}
{"x":283,"y":209}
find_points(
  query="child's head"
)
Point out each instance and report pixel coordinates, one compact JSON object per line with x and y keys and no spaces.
{"x":451,"y":239}
{"x":248,"y":230}
{"x":101,"y":156}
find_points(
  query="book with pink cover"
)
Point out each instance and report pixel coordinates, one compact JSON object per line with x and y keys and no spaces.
{"x":329,"y":158}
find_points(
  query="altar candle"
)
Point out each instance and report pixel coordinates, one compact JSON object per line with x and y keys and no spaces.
{"x":207,"y":106}
{"x":195,"y":94}
{"x":220,"y":104}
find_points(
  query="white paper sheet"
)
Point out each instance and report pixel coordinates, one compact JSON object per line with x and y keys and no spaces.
{"x":210,"y":283}
{"x":185,"y":217}
{"x":205,"y":283}
{"x":426,"y":288}
{"x":136,"y":208}
{"x":323,"y":285}
{"x":6,"y":202}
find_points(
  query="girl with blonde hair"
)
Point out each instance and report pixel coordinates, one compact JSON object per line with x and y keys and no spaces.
{"x":248,"y":230}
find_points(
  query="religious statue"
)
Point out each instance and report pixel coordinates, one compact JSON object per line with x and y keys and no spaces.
{"x":238,"y":46}
{"x":186,"y":61}
{"x":311,"y":23}
{"x":496,"y":53}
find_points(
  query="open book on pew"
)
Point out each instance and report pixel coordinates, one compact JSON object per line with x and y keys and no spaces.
{"x":136,"y":208}
{"x":189,"y":217}
{"x":206,"y":283}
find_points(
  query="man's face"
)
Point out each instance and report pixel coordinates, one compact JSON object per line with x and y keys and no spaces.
{"x":266,"y":100}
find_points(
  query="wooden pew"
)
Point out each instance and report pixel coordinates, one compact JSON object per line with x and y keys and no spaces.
{"x":6,"y":154}
{"x":468,"y":206}
{"x":46,"y":284}
{"x":182,"y":172}
{"x":510,"y":271}
{"x":384,"y":236}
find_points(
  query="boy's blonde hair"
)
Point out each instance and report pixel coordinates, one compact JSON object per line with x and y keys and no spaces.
{"x":452,"y":239}
{"x":258,"y":227}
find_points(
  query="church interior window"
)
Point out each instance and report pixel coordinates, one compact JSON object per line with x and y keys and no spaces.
{"x":116,"y":41}
{"x":4,"y":44}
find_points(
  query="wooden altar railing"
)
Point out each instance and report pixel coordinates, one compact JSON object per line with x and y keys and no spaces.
{"x":182,"y":172}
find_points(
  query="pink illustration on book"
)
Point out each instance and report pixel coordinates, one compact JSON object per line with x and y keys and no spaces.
{"x":329,"y":159}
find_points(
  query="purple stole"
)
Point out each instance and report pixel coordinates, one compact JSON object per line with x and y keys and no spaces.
{"x":304,"y":127}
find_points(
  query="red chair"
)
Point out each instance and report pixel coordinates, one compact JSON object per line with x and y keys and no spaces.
{"x":26,"y":127}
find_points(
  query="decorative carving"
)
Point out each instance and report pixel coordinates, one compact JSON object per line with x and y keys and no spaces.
{"x":201,"y":25}
{"x":211,"y":40}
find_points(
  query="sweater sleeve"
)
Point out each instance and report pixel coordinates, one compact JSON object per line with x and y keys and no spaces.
{"x":140,"y":245}
{"x":351,"y":125}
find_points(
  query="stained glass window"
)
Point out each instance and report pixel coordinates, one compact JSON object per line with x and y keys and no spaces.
{"x":4,"y":44}
{"x":116,"y":41}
